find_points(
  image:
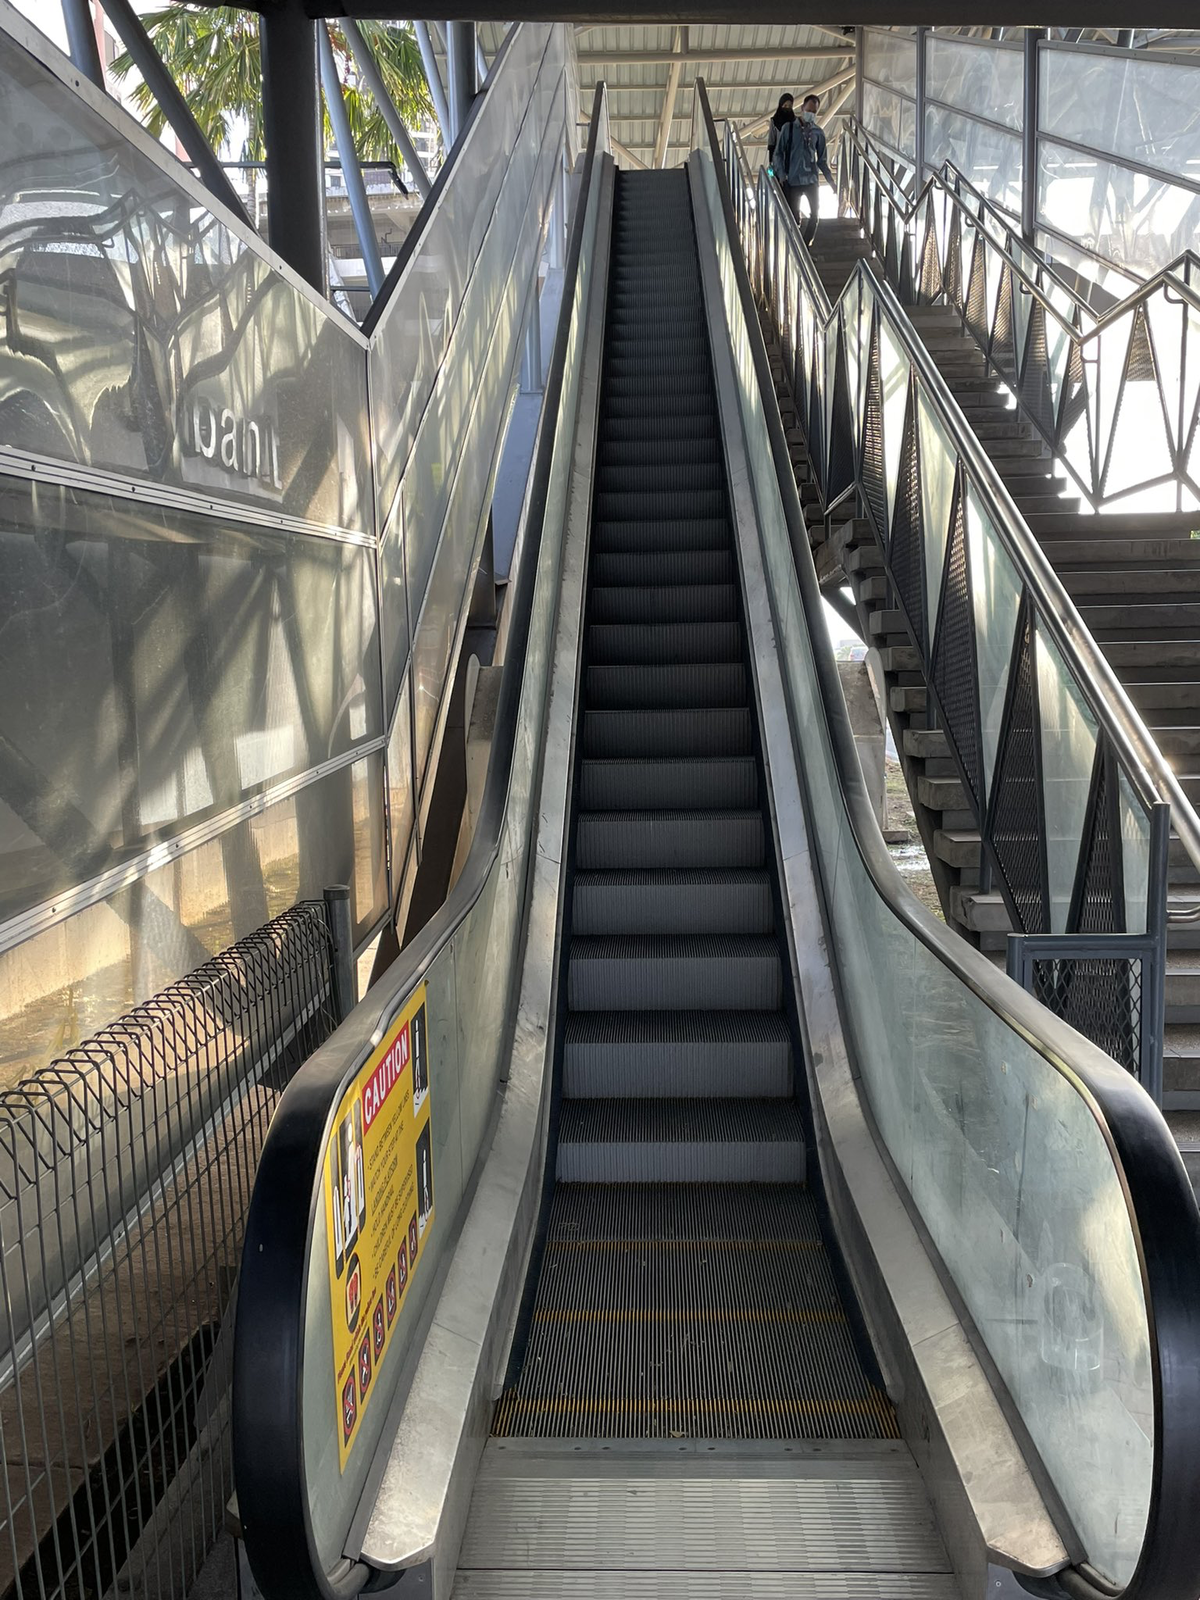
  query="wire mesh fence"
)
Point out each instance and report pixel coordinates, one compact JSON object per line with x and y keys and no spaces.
{"x":126,"y":1169}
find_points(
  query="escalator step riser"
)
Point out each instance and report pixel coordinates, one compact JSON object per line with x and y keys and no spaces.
{"x":664,"y":476}
{"x":725,"y":784}
{"x":683,"y":533}
{"x":610,"y":644}
{"x":726,"y":1161}
{"x":680,"y":1055}
{"x":661,"y":385}
{"x":656,"y":569}
{"x":613,"y":735}
{"x":620,"y":428}
{"x":659,"y":903}
{"x":677,"y":505}
{"x":625,"y":840}
{"x":661,"y":370}
{"x":654,"y":415}
{"x":670,"y":687}
{"x":628,"y":325}
{"x":705,"y":602}
{"x":661,"y":350}
{"x":700,"y":449}
{"x":643,"y":983}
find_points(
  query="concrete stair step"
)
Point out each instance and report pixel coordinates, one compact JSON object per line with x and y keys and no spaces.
{"x":926,"y":744}
{"x":957,"y":847}
{"x":981,"y":913}
{"x":1146,"y":619}
{"x":900,"y":658}
{"x":888,"y":623}
{"x":942,"y":794}
{"x":1070,"y":553}
{"x":908,"y":699}
{"x":1152,"y":585}
{"x":1127,"y":525}
{"x":1146,"y":656}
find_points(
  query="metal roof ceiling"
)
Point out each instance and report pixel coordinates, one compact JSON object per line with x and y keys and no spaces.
{"x":650,"y":70}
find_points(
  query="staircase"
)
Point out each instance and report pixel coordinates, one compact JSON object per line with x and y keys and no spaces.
{"x":1135,"y":578}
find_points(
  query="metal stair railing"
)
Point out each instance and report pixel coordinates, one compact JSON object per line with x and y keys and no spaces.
{"x":1071,"y":796}
{"x":1114,"y":396}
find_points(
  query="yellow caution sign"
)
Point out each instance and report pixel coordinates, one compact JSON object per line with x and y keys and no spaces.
{"x":378,"y":1207}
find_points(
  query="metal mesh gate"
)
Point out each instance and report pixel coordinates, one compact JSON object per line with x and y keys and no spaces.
{"x":126,"y":1169}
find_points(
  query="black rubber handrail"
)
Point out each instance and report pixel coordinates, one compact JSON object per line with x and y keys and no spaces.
{"x":1162,"y":1207}
{"x":268,"y":1364}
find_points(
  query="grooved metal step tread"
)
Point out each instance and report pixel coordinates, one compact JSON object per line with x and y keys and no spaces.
{"x":674,"y":972}
{"x":723,"y":783}
{"x":703,"y":602}
{"x":656,"y":685}
{"x":663,"y":476}
{"x":662,"y":838}
{"x":677,"y":1054}
{"x":613,"y":504}
{"x":628,"y":643}
{"x":658,"y":568}
{"x":710,"y":732}
{"x":677,"y":533}
{"x":672,"y":901}
{"x":690,"y":1312}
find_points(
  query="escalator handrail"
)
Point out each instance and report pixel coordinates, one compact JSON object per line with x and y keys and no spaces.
{"x":1144,"y":765}
{"x":268,"y":1429}
{"x":1162,"y":1208}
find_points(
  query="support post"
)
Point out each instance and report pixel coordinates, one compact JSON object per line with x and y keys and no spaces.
{"x":356,"y":189}
{"x":662,"y":140}
{"x":460,"y":72}
{"x":1029,"y":133}
{"x":531,"y":357}
{"x":919,"y":149}
{"x":81,"y":40}
{"x":175,"y":108}
{"x":481,"y":66}
{"x":366,"y":63}
{"x":859,"y":63}
{"x":434,"y":79}
{"x":344,"y":989}
{"x":294,"y":139}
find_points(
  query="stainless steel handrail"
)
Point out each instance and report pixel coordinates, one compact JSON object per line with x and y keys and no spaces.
{"x":1144,"y":762}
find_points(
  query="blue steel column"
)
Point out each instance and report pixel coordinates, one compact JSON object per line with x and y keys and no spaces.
{"x":460,"y":72}
{"x":81,"y":40}
{"x":434,"y":79}
{"x":366,"y":63}
{"x":356,"y":189}
{"x":294,"y":138}
{"x":1029,"y":134}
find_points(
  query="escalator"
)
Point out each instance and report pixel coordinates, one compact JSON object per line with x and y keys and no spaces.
{"x":685,"y":1289}
{"x":801,"y":1253}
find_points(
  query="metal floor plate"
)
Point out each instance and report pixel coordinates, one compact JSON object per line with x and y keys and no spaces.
{"x":599,"y":1522}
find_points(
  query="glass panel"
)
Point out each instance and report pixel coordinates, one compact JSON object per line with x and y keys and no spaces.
{"x":1011,"y":1175}
{"x":989,"y":158}
{"x":895,"y":368}
{"x":890,"y":58}
{"x":1068,"y":756}
{"x":401,"y":787}
{"x":1135,"y":856}
{"x":61,"y":985}
{"x":191,"y":663}
{"x":987,"y":79}
{"x":938,"y":463}
{"x":1143,"y":110}
{"x":996,"y":595}
{"x":1140,"y":222}
{"x":146,"y":337}
{"x":890,"y":118}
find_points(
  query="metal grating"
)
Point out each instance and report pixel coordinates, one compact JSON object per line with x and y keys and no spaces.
{"x":975,"y":310}
{"x":907,"y":556}
{"x":1100,"y":997}
{"x":954,"y":669}
{"x":1004,"y":348}
{"x":841,"y":444}
{"x":680,"y":1311}
{"x":874,"y":485}
{"x":1100,"y":898}
{"x":1017,"y":815}
{"x":1036,"y":395}
{"x":125,"y":1175}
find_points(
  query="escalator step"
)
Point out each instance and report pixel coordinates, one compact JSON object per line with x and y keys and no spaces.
{"x":662,"y":350}
{"x":659,"y":408}
{"x":637,"y":972}
{"x":613,"y":506}
{"x":661,"y":371}
{"x":664,"y":476}
{"x":642,"y":452}
{"x":701,"y":602}
{"x":661,"y":838}
{"x":660,"y":569}
{"x":654,"y":901}
{"x":676,"y":687}
{"x":662,"y":383}
{"x":687,"y":533}
{"x":728,"y":783}
{"x":680,"y":1141}
{"x":664,"y":641}
{"x":677,"y":1054}
{"x":654,"y":431}
{"x":614,"y":734}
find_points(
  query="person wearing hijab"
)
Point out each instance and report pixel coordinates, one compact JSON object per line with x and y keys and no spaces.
{"x":783,"y":114}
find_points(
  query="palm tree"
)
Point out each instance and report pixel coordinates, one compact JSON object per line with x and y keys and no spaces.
{"x":213,"y":55}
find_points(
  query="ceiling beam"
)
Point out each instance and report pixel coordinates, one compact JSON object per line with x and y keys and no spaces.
{"x":650,"y":58}
{"x":667,"y":115}
{"x":617,"y":147}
